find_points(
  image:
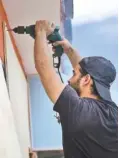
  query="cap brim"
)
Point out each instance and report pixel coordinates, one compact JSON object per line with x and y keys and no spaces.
{"x":104,"y":92}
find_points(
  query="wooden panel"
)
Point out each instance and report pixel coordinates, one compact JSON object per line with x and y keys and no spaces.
{"x":9,"y":143}
{"x":17,"y":85}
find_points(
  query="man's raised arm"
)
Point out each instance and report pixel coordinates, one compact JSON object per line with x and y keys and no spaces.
{"x":49,"y":78}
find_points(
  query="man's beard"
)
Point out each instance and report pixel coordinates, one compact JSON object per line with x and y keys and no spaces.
{"x":76,"y":86}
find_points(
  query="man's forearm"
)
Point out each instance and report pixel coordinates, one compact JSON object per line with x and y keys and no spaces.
{"x":43,"y":63}
{"x":73,"y":56}
{"x":40,"y":49}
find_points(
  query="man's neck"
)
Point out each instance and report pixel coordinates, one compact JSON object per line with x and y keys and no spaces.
{"x":89,"y":96}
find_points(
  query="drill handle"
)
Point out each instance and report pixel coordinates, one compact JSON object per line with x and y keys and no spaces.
{"x":52,"y":38}
{"x":58,"y":51}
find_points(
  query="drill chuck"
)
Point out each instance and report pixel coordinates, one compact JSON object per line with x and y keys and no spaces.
{"x":19,"y":30}
{"x":28,"y":30}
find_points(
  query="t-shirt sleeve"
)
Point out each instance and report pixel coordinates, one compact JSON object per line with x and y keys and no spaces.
{"x":68,"y":104}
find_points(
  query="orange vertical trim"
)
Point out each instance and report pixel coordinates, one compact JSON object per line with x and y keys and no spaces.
{"x":4,"y":18}
{"x":1,"y":41}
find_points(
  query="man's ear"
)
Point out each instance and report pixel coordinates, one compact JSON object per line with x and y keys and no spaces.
{"x":86,"y":79}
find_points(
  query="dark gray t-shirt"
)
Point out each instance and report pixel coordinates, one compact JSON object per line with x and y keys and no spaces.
{"x":89,"y":126}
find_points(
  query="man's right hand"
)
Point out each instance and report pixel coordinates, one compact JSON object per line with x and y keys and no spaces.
{"x":65,"y":45}
{"x":72,"y":54}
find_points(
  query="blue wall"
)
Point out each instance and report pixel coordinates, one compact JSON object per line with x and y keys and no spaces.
{"x":46,"y":131}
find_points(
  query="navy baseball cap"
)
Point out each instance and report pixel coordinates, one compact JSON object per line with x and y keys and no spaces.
{"x":103,"y":73}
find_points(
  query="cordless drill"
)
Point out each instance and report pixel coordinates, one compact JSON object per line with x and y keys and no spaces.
{"x":53,"y":37}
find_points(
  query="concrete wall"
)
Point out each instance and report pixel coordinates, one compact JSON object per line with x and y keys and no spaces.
{"x":18,"y":96}
{"x":22,"y":12}
{"x":9,"y":144}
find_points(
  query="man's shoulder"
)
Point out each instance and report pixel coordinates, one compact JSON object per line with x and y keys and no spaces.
{"x":68,"y":99}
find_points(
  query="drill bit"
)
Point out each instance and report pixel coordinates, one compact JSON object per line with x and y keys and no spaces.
{"x":10,"y":30}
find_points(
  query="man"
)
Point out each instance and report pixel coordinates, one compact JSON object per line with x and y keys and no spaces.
{"x":88,"y":114}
